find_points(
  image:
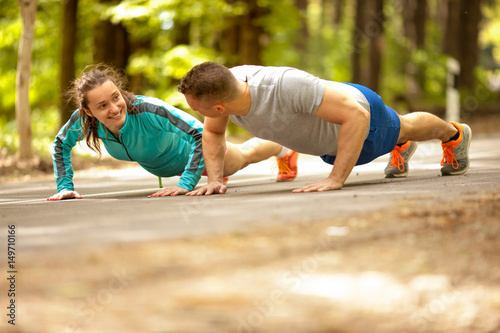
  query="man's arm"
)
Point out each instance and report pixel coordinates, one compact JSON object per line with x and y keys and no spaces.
{"x":339,"y":108}
{"x":214,"y":149}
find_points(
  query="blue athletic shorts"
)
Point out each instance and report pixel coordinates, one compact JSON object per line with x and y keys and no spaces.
{"x":384,"y":129}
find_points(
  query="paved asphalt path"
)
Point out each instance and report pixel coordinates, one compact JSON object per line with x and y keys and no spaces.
{"x":116,"y":207}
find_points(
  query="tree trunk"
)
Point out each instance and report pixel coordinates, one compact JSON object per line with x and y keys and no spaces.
{"x":249,"y":45}
{"x":358,"y":39}
{"x":138,"y":83}
{"x":23,"y":112}
{"x":461,"y":37}
{"x":181,"y":33}
{"x":414,"y":18}
{"x":420,"y":20}
{"x":302,"y":39}
{"x":338,"y":12}
{"x":452,"y":29}
{"x":240,"y":40}
{"x":375,"y":31}
{"x":470,"y":18}
{"x":111,"y":43}
{"x":228,"y":44}
{"x":68,"y":50}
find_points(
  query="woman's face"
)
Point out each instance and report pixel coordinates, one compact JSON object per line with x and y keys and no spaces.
{"x":106,"y":103}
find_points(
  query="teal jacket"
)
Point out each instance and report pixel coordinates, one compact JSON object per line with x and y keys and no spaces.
{"x":162,"y":139}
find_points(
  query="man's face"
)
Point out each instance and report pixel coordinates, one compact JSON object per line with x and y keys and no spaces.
{"x":204,"y":108}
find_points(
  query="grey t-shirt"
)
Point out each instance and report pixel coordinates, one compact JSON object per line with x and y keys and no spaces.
{"x":283,"y":103}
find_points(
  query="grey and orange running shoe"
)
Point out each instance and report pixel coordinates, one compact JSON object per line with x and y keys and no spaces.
{"x":398,"y":164}
{"x":456,"y":152}
{"x":287,"y":167}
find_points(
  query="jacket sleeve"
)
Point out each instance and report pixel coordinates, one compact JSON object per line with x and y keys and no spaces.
{"x":64,"y":142}
{"x":192,"y":129}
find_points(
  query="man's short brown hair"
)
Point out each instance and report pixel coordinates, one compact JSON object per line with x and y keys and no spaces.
{"x":209,"y":81}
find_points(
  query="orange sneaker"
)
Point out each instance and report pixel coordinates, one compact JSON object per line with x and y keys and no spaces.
{"x":287,"y":167}
{"x":456,"y":152}
{"x":225,"y":180}
{"x":398,"y":164}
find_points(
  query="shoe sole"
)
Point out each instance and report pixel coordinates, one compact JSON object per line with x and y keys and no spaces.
{"x":461,"y":172}
{"x":398,"y":175}
{"x":285,"y":180}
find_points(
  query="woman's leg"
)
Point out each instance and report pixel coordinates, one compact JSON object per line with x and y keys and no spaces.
{"x":239,"y":156}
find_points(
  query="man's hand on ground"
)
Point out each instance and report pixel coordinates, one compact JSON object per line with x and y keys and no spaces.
{"x":323,"y":185}
{"x":214,"y":187}
{"x":169,"y":191}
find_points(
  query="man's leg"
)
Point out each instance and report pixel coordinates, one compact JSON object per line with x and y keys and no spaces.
{"x":416,"y":126}
{"x":423,"y":126}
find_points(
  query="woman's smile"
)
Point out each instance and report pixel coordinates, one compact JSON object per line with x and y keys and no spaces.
{"x":106,"y":103}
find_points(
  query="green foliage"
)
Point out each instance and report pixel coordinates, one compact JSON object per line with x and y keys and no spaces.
{"x":46,"y":53}
{"x":139,"y":17}
{"x":43,"y":125}
{"x":282,"y":22}
{"x":87,"y":17}
{"x":490,"y":34}
{"x":400,"y":61}
{"x":9,"y":41}
{"x":163,"y":70}
{"x":330,"y":46}
{"x":165,"y":63}
{"x":44,"y":58}
{"x":158,"y":27}
{"x":9,"y":139}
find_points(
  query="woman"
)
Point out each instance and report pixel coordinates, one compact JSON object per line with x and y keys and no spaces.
{"x":162,"y":139}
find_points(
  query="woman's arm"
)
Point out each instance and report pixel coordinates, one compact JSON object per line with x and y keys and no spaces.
{"x":64,"y":142}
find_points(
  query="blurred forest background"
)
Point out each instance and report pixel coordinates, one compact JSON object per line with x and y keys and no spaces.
{"x":397,"y":47}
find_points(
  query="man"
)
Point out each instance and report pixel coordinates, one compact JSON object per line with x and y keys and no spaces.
{"x":345,"y":124}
